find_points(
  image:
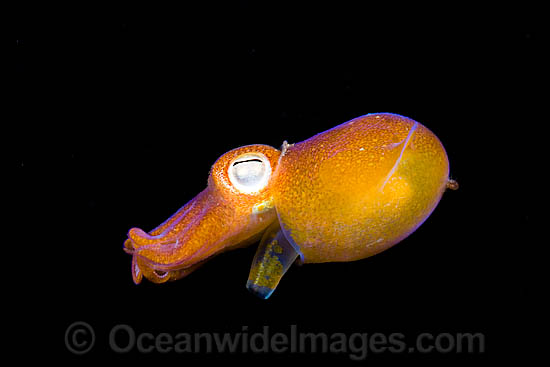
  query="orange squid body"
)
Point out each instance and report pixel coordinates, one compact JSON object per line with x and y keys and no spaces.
{"x":342,"y":195}
{"x":359,"y":188}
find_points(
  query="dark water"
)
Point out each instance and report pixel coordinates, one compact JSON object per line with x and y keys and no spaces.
{"x":122,"y":111}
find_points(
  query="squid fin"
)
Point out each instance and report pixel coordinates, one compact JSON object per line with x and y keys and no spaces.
{"x":273,"y":258}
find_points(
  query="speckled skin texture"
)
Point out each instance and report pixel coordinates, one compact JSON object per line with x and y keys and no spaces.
{"x":359,"y":188}
{"x":342,"y":195}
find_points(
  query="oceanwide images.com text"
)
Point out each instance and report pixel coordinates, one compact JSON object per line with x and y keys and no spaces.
{"x":80,"y":339}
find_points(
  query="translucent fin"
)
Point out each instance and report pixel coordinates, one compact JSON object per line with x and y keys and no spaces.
{"x":273,"y":258}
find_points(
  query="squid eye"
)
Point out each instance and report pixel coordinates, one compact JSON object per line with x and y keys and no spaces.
{"x":249,"y":172}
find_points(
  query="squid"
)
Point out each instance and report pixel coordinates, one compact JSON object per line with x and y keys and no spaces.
{"x":342,"y":195}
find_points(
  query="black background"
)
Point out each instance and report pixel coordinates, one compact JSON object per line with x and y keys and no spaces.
{"x":122,"y":111}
